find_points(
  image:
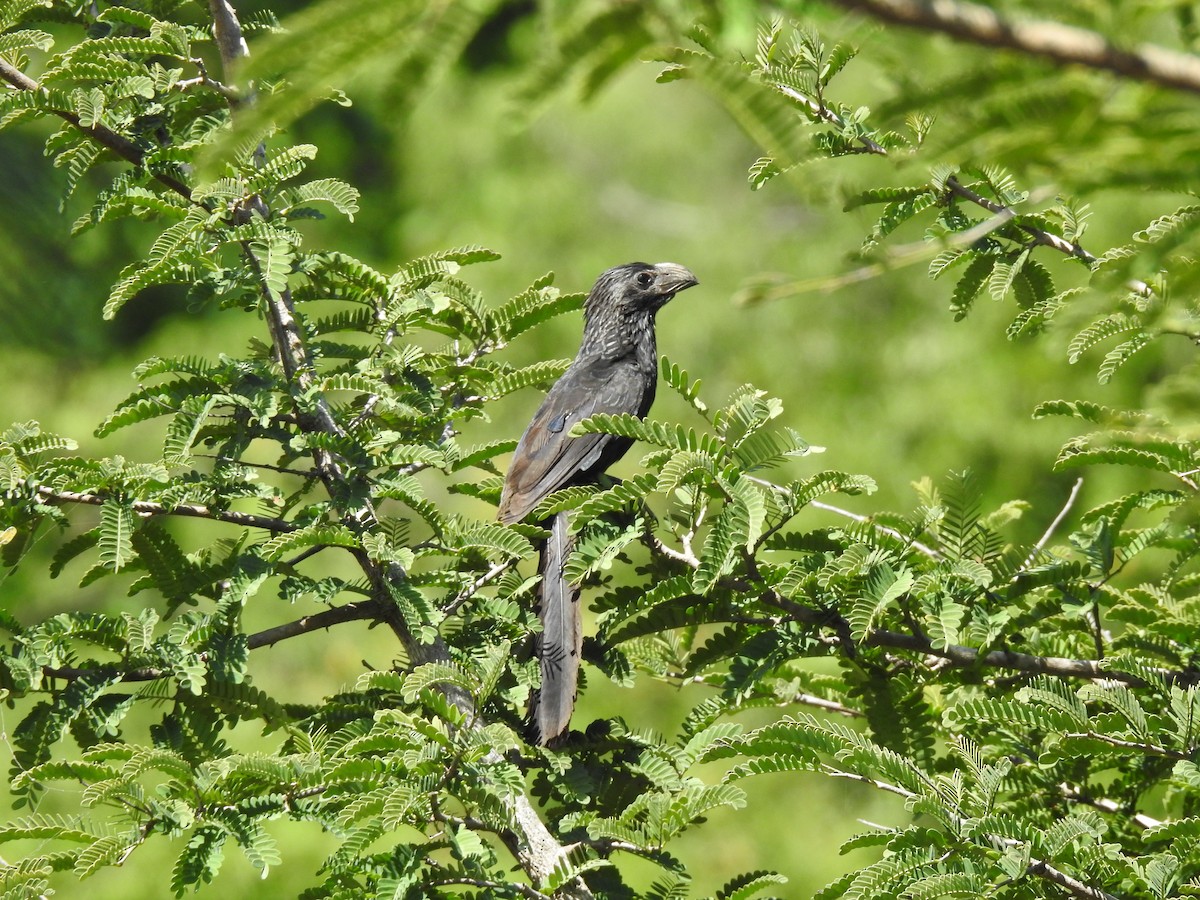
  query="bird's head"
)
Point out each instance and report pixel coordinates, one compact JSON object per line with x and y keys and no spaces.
{"x":637,"y":288}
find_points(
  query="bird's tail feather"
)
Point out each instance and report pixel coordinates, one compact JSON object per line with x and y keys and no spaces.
{"x":561,"y":641}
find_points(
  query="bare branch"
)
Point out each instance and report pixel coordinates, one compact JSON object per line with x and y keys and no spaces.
{"x":1042,"y":869}
{"x":821,"y":703}
{"x":349,"y":612}
{"x":189,"y":510}
{"x":1049,"y":532}
{"x":1051,"y":40}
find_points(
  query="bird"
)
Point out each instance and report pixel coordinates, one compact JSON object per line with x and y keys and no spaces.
{"x":615,"y":371}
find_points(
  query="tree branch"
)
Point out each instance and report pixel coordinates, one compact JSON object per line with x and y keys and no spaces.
{"x":470,"y":590}
{"x":1003,"y":214}
{"x":911,"y":542}
{"x":1110,"y":806}
{"x":1042,"y":869}
{"x":1142,"y":747}
{"x":350,"y":612}
{"x":1053,"y":526}
{"x":228,"y":33}
{"x":189,"y":510}
{"x":1050,"y":40}
{"x":1038,"y":868}
{"x":106,"y":137}
{"x":954,"y":654}
{"x":1045,"y":238}
{"x":1057,"y":666}
{"x":824,"y":113}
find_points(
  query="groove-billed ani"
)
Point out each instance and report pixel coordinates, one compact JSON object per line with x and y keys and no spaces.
{"x":616,"y":371}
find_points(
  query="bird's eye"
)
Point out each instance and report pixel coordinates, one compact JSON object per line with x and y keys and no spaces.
{"x":645,"y":279}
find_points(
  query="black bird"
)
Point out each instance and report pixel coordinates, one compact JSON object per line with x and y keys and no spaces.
{"x":615,"y":371}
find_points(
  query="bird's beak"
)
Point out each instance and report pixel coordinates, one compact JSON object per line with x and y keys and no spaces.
{"x":674,"y":278}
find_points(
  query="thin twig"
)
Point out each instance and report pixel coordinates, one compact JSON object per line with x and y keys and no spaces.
{"x":1106,"y":805}
{"x":1049,"y":532}
{"x":821,"y":703}
{"x":821,"y":111}
{"x":688,"y":559}
{"x":900,"y":536}
{"x":954,"y":654}
{"x":349,"y":612}
{"x":953,"y":185}
{"x":471,"y":589}
{"x":189,"y":510}
{"x":1141,"y":747}
{"x":1042,"y":869}
{"x":1041,"y":237}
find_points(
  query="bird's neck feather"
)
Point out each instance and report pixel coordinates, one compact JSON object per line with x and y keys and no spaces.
{"x":616,"y":337}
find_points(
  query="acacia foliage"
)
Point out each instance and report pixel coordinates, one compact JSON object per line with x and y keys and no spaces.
{"x":1035,"y":705}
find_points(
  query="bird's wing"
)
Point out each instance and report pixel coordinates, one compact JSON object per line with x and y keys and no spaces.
{"x":548,"y":456}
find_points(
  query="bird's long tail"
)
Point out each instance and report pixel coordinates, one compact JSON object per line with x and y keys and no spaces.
{"x":561,"y":641}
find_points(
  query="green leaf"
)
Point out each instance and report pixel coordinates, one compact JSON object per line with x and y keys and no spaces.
{"x":318,"y":534}
{"x":657,"y":433}
{"x":116,"y":530}
{"x":274,"y":261}
{"x":679,"y":381}
{"x":343,"y":197}
{"x":200,"y":860}
{"x":881,"y":590}
{"x":104,"y":851}
{"x":970,"y":283}
{"x":1121,"y":354}
{"x":542,"y":374}
{"x":729,"y":534}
